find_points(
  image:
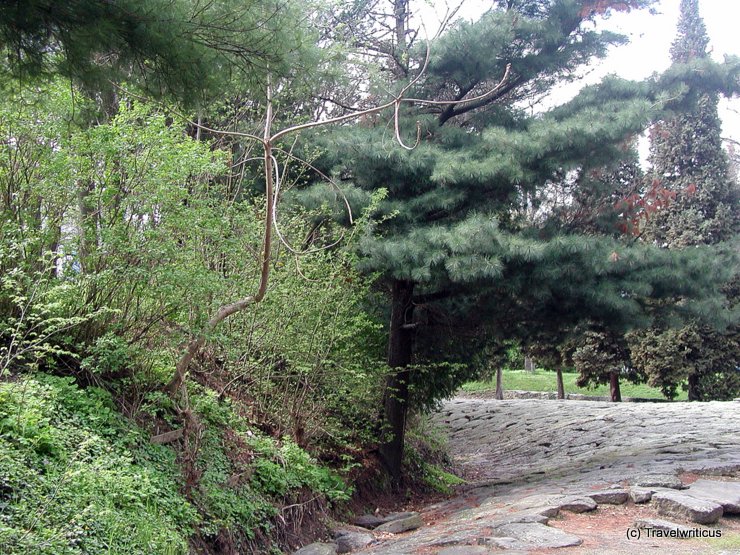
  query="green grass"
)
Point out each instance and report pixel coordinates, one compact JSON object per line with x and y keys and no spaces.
{"x":544,"y":380}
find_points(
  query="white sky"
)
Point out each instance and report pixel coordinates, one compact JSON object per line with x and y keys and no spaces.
{"x":650,"y":40}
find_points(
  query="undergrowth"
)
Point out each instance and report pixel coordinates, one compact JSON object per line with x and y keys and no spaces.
{"x":77,"y":477}
{"x":426,"y":460}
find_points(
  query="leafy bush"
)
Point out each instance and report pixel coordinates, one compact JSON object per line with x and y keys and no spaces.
{"x":426,"y":458}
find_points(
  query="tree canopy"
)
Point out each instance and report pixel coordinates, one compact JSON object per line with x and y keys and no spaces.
{"x":186,"y":49}
{"x":457,"y":222}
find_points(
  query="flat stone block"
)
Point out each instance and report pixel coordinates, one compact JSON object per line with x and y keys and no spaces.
{"x":609,"y":496}
{"x":401,"y":525}
{"x":398,"y":516}
{"x":369,"y":521}
{"x":317,"y":548}
{"x":349,"y":540}
{"x":659,"y":480}
{"x":577,"y":504}
{"x":726,"y":494}
{"x":519,"y":518}
{"x":464,"y":550}
{"x":659,"y":524}
{"x":684,"y":506}
{"x":536,"y":536}
{"x":640,"y":495}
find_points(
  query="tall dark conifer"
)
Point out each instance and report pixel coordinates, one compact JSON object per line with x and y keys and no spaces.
{"x":688,"y":161}
{"x":687,"y":158}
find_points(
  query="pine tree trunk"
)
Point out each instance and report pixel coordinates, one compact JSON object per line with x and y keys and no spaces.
{"x":528,"y":364}
{"x":561,"y":387}
{"x":616,"y":394}
{"x":499,"y":383}
{"x":694,"y":394}
{"x":400,"y":344}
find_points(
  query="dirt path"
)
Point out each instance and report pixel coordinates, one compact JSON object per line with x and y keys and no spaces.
{"x":522,"y":455}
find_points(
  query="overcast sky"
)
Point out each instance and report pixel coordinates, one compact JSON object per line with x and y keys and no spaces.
{"x":650,"y":40}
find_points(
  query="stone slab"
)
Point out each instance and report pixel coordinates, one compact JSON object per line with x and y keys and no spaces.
{"x":525,"y":517}
{"x":317,"y":548}
{"x":684,"y":506}
{"x":369,"y":521}
{"x":401,"y":525}
{"x":726,"y":494}
{"x":550,"y":504}
{"x":576,"y":504}
{"x":658,"y":480}
{"x":398,"y":516}
{"x":609,"y":496}
{"x":349,"y":540}
{"x":464,"y":550}
{"x":640,"y":495}
{"x":536,"y":536}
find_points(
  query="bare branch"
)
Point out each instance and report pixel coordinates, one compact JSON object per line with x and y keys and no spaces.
{"x":272,"y":190}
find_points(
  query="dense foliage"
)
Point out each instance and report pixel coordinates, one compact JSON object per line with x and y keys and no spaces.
{"x":209,"y":327}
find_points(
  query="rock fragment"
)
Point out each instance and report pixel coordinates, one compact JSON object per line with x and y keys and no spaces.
{"x":684,"y":506}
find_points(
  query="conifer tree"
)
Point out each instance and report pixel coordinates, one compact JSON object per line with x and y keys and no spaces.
{"x":177,"y":47}
{"x":455,"y":236}
{"x":689,"y":162}
{"x":687,"y":158}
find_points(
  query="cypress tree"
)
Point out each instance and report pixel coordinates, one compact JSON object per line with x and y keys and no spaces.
{"x":687,"y":158}
{"x":688,"y":161}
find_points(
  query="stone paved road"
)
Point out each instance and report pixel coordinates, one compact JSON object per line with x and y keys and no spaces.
{"x":588,"y":441}
{"x":518,"y":454}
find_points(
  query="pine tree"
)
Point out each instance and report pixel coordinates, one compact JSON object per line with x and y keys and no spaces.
{"x":688,"y":161}
{"x":455,"y":246}
{"x":176,"y":47}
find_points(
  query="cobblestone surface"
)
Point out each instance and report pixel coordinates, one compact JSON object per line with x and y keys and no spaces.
{"x":523,"y":457}
{"x":589,"y":441}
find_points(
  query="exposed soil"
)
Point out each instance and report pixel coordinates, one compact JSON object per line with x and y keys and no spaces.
{"x":605,"y":531}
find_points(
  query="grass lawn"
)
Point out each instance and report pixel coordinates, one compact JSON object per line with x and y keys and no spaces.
{"x":544,"y":380}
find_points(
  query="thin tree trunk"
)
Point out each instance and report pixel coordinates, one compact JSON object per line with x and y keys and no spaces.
{"x":561,"y":387}
{"x":499,"y":383}
{"x":225,"y":311}
{"x":400,"y":13}
{"x":694,"y":394}
{"x":87,"y":226}
{"x":528,"y":364}
{"x":616,"y":395}
{"x":56,"y":237}
{"x":396,"y":396}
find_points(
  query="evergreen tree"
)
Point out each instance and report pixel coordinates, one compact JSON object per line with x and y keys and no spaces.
{"x":455,"y":236}
{"x":687,"y":158}
{"x":688,"y":162}
{"x":182,"y":48}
